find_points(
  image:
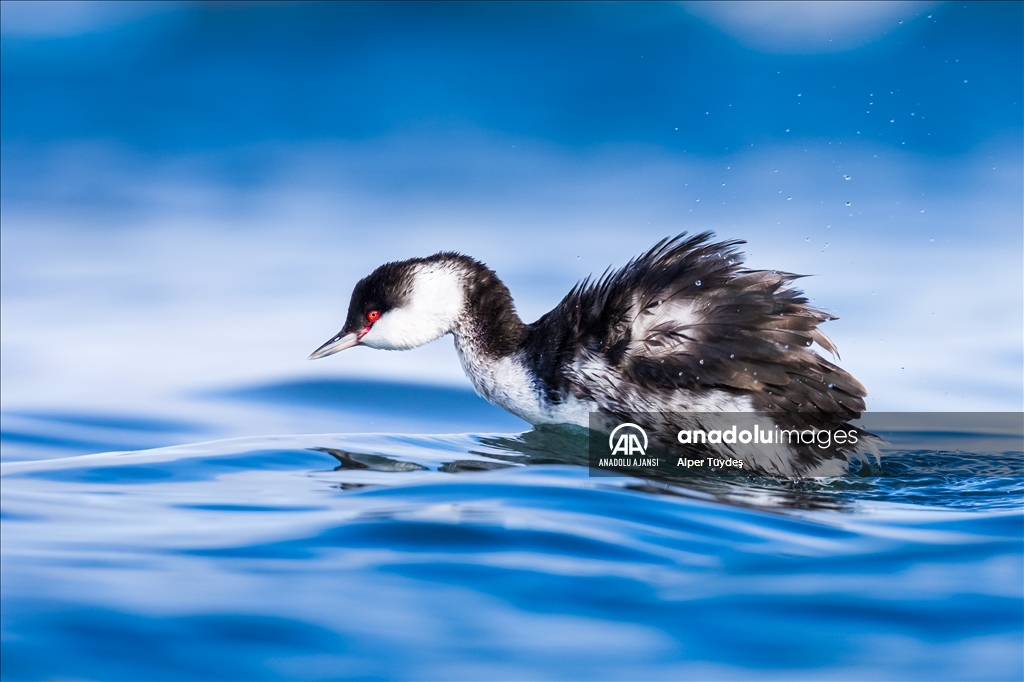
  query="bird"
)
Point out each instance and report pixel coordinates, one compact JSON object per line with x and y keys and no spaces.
{"x":684,"y":328}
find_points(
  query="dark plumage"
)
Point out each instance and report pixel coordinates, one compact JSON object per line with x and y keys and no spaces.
{"x":753,"y":338}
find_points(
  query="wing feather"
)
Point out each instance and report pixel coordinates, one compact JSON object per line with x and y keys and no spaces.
{"x":687,"y":316}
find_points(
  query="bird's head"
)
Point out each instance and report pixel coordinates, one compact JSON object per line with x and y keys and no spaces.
{"x":401,"y":306}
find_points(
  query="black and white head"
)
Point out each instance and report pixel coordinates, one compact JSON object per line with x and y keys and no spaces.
{"x":403,"y":305}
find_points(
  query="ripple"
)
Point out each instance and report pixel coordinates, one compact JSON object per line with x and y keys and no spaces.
{"x":474,"y":555}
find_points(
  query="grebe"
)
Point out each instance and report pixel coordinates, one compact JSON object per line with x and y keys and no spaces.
{"x":683,"y":328}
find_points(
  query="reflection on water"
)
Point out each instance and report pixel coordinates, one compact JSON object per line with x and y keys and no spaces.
{"x":974,"y":475}
{"x":500,"y":556}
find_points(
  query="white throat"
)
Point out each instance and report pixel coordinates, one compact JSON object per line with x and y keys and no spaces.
{"x":434,"y":303}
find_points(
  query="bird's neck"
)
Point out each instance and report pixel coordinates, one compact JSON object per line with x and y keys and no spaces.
{"x":488,"y":335}
{"x":489,"y":326}
{"x":488,"y":338}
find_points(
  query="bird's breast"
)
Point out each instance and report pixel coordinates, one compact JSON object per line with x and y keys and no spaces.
{"x":508,"y":383}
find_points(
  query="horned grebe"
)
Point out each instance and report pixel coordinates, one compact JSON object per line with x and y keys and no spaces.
{"x":681,"y":328}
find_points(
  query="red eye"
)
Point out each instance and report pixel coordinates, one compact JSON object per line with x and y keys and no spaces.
{"x":373,"y":316}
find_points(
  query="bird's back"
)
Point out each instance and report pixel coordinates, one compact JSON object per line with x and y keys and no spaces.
{"x":685,"y":327}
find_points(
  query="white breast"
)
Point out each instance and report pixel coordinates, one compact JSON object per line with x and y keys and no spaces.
{"x":508,"y":384}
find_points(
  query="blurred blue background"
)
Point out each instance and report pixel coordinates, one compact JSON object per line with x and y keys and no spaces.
{"x":189,"y":191}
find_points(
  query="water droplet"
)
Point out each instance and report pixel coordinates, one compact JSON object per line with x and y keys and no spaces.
{"x":847,"y":203}
{"x":808,"y":343}
{"x":831,"y":385}
{"x":732,"y":356}
{"x":808,"y":239}
{"x":846,"y":177}
{"x":702,"y":361}
{"x":789,"y":198}
{"x":786,"y":346}
{"x":697,"y":282}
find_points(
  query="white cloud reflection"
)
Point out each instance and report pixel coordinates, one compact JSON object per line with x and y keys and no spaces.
{"x":64,"y":18}
{"x":803,"y":27}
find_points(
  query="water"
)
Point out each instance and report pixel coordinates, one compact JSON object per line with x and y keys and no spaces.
{"x":497,"y":556}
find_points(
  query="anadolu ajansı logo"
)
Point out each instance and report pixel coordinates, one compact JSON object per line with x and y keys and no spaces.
{"x":625,"y":440}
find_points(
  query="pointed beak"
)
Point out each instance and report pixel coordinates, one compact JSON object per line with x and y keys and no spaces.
{"x":338,"y":343}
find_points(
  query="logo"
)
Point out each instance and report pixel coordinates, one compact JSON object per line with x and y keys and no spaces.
{"x":625,"y":440}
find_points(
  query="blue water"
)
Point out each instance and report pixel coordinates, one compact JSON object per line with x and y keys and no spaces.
{"x":498,"y":556}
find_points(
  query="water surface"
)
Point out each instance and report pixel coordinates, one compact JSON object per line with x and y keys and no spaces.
{"x":498,"y":556}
